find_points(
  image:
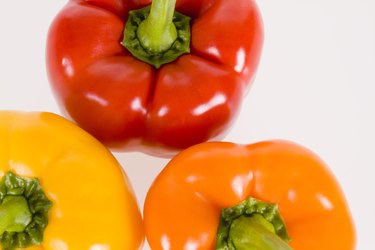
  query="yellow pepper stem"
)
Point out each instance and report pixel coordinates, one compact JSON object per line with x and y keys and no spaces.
{"x":24,"y":211}
{"x":15,"y":214}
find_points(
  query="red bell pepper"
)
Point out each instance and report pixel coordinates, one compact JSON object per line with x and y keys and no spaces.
{"x":186,"y":84}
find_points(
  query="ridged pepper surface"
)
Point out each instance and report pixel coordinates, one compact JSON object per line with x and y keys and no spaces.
{"x":156,"y":86}
{"x":272,"y":195}
{"x":61,"y":189}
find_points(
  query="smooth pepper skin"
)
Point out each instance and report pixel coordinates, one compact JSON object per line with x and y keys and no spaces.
{"x":183,"y":205}
{"x":128,"y":104}
{"x":93,"y":206}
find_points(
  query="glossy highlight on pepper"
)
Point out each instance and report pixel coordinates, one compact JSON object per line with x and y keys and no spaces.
{"x":130,"y":105}
{"x":89,"y":202}
{"x":239,"y":186}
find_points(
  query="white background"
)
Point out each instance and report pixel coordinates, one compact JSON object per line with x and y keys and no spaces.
{"x":315,"y":85}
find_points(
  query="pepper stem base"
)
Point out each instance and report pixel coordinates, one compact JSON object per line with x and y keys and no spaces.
{"x":156,"y":56}
{"x":15,"y":214}
{"x":253,"y":233}
{"x":252,"y":225}
{"x":24,"y":209}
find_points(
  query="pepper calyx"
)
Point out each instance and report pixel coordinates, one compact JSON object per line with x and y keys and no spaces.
{"x":253,"y":224}
{"x":156,"y":55}
{"x":24,"y":209}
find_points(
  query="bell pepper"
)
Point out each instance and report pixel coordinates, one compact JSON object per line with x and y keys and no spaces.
{"x":149,"y":78}
{"x":61,"y":189}
{"x":268,"y":195}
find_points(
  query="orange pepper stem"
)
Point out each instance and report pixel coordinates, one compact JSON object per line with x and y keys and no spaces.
{"x":23,"y":212}
{"x":254,"y":232}
{"x":252,"y":225}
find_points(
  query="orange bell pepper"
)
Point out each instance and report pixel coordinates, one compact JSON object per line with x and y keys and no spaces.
{"x":268,"y":195}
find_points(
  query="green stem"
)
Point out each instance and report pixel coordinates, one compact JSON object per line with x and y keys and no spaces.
{"x":253,"y":233}
{"x":15,"y":214}
{"x":158,"y":32}
{"x":252,"y":225}
{"x":24,"y":209}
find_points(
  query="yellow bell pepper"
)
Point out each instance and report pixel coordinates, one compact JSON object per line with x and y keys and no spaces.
{"x":58,"y":177}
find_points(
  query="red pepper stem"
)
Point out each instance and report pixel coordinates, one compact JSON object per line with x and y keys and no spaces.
{"x":157,"y":33}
